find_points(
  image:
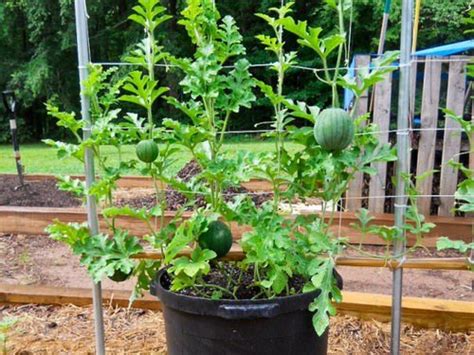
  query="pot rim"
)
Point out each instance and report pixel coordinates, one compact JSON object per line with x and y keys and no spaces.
{"x":223,"y":308}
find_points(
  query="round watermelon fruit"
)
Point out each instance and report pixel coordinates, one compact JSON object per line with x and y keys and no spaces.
{"x":334,"y":129}
{"x":217,"y":238}
{"x":147,"y":151}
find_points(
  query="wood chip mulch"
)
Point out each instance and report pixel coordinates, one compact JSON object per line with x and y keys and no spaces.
{"x":53,"y":330}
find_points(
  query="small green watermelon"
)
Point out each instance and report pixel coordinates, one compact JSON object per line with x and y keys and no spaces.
{"x":334,"y":129}
{"x":147,"y":151}
{"x":217,"y":238}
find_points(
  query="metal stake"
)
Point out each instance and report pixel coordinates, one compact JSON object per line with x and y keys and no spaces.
{"x":9,"y":101}
{"x":92,"y":219}
{"x":403,"y":151}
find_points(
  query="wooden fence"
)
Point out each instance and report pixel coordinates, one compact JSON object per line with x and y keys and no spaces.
{"x":439,"y":82}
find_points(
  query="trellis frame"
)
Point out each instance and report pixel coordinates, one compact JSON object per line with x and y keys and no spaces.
{"x":429,"y":145}
{"x":402,"y":164}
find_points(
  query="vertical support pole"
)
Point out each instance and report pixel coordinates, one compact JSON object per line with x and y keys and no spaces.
{"x":16,"y":149}
{"x":9,"y":102}
{"x":92,"y":219}
{"x":471,"y":166}
{"x":383,"y":30}
{"x":416,"y":26}
{"x":403,"y":151}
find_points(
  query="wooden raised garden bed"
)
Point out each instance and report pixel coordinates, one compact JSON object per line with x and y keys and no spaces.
{"x":34,"y":220}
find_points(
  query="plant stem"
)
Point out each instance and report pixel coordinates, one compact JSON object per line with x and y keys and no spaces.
{"x":257,"y":295}
{"x":214,"y":147}
{"x":224,"y":128}
{"x":355,"y":106}
{"x":150,"y":59}
{"x":237,"y":284}
{"x":335,"y":97}
{"x":157,"y":199}
{"x":259,"y":280}
{"x":375,"y":256}
{"x":199,"y":292}
{"x":279,"y":123}
{"x":217,"y":287}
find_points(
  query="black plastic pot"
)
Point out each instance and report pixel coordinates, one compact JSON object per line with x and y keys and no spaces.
{"x":201,"y":326}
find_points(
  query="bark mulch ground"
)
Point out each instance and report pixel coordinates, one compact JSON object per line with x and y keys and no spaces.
{"x":55,"y":330}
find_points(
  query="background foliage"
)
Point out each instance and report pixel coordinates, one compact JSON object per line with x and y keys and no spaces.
{"x":38,"y":53}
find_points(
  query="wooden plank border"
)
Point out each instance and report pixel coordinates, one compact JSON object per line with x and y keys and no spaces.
{"x":422,"y":312}
{"x":33,"y":221}
{"x":41,"y":295}
{"x":456,"y":316}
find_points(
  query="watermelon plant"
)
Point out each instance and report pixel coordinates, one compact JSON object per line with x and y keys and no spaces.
{"x":111,"y":252}
{"x":278,"y":248}
{"x":214,"y":94}
{"x":335,"y":146}
{"x":287,"y":256}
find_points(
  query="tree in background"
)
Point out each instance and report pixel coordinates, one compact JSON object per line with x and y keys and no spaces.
{"x":38,"y":54}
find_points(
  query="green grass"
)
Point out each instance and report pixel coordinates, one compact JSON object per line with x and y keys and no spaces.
{"x":41,"y":159}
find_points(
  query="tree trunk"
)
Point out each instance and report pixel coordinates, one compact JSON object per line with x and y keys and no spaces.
{"x":173,"y":10}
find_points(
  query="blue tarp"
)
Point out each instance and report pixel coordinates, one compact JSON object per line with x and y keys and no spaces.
{"x":447,"y":49}
{"x":348,"y":94}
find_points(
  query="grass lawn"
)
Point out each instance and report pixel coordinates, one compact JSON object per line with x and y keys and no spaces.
{"x":41,"y":159}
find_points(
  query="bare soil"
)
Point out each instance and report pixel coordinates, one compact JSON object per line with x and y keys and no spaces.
{"x":45,"y":193}
{"x":69,"y":330}
{"x":34,"y":194}
{"x":176,"y":200}
{"x":238,"y":282}
{"x":38,"y":260}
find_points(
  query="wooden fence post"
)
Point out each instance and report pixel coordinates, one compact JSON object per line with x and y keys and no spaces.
{"x":452,"y":135}
{"x":354,"y":192}
{"x":429,"y":120}
{"x":383,"y":101}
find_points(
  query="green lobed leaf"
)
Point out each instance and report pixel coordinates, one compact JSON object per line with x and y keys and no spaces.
{"x":445,"y":243}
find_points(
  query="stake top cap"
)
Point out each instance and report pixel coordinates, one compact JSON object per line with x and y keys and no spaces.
{"x":9,"y":100}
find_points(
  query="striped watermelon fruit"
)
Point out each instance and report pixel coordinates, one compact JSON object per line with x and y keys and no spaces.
{"x":147,"y":151}
{"x":334,"y":129}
